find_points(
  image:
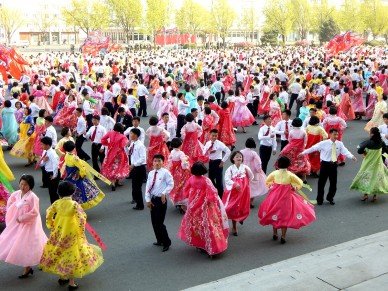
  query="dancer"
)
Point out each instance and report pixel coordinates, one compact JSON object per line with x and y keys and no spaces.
{"x":159,"y":185}
{"x":205,"y":223}
{"x":192,"y":147}
{"x":23,"y":148}
{"x":329,"y":152}
{"x":241,"y":116}
{"x":346,"y":105}
{"x":253,"y":161}
{"x":283,"y":128}
{"x":80,"y":132}
{"x":381,"y":108}
{"x":267,"y":138}
{"x":225,"y":127}
{"x":179,"y":167}
{"x":315,"y":134}
{"x":372,"y":178}
{"x":23,"y":239}
{"x":157,"y":145}
{"x":300,"y":165}
{"x":6,"y":176}
{"x":237,"y":195}
{"x":283,"y":207}
{"x":40,"y":129}
{"x":78,"y":172}
{"x":66,"y":116}
{"x":274,"y":109}
{"x":115,"y":166}
{"x":67,"y":252}
{"x":358,"y":102}
{"x":95,"y":134}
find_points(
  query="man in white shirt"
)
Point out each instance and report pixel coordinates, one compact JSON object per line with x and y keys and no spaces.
{"x":116,"y":88}
{"x":182,"y":108}
{"x":170,"y":127}
{"x":136,"y":124}
{"x":330,"y":150}
{"x":95,"y":134}
{"x":159,"y":184}
{"x":138,"y":158}
{"x":267,"y":138}
{"x":300,"y":99}
{"x":25,"y":80}
{"x":34,"y":108}
{"x":218,"y":154}
{"x":80,"y":132}
{"x":283,"y":95}
{"x":49,"y":163}
{"x":85,"y":87}
{"x":87,"y":108}
{"x":294,"y":90}
{"x":50,"y":130}
{"x":142,"y":94}
{"x":283,"y":128}
{"x":132,"y":102}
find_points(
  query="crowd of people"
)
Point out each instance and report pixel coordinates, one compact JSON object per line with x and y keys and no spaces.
{"x":202,"y":100}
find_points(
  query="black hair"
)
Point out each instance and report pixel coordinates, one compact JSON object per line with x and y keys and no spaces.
{"x":333,"y":110}
{"x":224,"y":105}
{"x":96,"y":117}
{"x":104,"y":111}
{"x":29,"y":180}
{"x":42,"y":112}
{"x":385,"y":115}
{"x":136,"y":131}
{"x":265,"y":117}
{"x":176,"y":142}
{"x":198,"y":169}
{"x":333,"y":130}
{"x":189,"y":117}
{"x":250,"y":143}
{"x":49,"y":118}
{"x":136,"y":118}
{"x":207,"y":110}
{"x":153,"y":120}
{"x":235,"y":154}
{"x":7,"y":103}
{"x":69,"y":146}
{"x":288,"y":112}
{"x":158,"y":157}
{"x":78,"y":110}
{"x":297,"y":122}
{"x":214,"y":130}
{"x":118,"y":127}
{"x":376,"y":137}
{"x":64,"y":131}
{"x":314,"y":120}
{"x":65,"y":189}
{"x":283,"y":162}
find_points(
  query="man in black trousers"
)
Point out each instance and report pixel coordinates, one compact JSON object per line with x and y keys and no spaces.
{"x":218,"y":153}
{"x":267,"y":138}
{"x":159,"y":185}
{"x":329,"y":150}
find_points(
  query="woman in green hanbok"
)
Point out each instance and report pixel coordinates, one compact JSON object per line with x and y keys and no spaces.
{"x":372,"y":178}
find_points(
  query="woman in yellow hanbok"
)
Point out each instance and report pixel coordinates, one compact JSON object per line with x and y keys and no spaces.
{"x":6,"y":176}
{"x":24,"y":147}
{"x":381,"y":107}
{"x":67,"y":252}
{"x":81,"y":175}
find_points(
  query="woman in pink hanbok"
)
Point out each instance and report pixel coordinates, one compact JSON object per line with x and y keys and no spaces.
{"x":23,"y":239}
{"x":66,"y":116}
{"x":40,"y":99}
{"x":358,"y":102}
{"x":241,"y":116}
{"x":346,"y":105}
{"x":157,"y":146}
{"x":263,"y":107}
{"x":371,"y":102}
{"x":237,"y":193}
{"x":284,"y":207}
{"x":253,"y":161}
{"x":19,"y":113}
{"x":227,"y":81}
{"x":207,"y":125}
{"x":192,"y":147}
{"x":274,"y":110}
{"x":157,"y":95}
{"x":39,"y":132}
{"x":179,"y":167}
{"x":205,"y":223}
{"x":164,"y":106}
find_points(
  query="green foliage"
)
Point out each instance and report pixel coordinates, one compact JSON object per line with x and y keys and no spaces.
{"x":328,"y":30}
{"x":223,"y":17}
{"x":269,"y":37}
{"x":278,"y":17}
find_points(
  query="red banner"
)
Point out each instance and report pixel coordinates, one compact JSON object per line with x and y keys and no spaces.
{"x":168,"y":39}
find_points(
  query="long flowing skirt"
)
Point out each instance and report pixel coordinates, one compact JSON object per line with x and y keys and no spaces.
{"x":237,"y":202}
{"x":23,"y":148}
{"x":193,"y":148}
{"x":157,"y":146}
{"x":205,"y":224}
{"x":372,"y":178}
{"x":358,"y":105}
{"x":115,"y":165}
{"x":39,"y":132}
{"x":257,"y":185}
{"x":242,"y":116}
{"x":314,"y":158}
{"x":283,"y":207}
{"x":180,"y":176}
{"x":66,"y":117}
{"x":300,"y":165}
{"x":43,"y":104}
{"x":87,"y":193}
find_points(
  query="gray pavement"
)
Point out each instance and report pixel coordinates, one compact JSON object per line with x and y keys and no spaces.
{"x":133,"y":263}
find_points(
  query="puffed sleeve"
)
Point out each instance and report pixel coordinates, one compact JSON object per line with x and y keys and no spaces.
{"x":50,"y":213}
{"x":228,"y":179}
{"x":11,"y":200}
{"x":81,"y":218}
{"x":295,"y":181}
{"x":33,"y":202}
{"x":105,"y":139}
{"x":249,"y":172}
{"x":80,"y":166}
{"x":270,"y":179}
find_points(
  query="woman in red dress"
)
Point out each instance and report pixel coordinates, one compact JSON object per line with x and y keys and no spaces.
{"x":263,"y":107}
{"x":179,"y":167}
{"x":115,"y":166}
{"x":274,"y":109}
{"x":205,"y":223}
{"x":157,"y":146}
{"x":297,"y":138}
{"x":358,"y":100}
{"x":237,"y":194}
{"x":346,"y":105}
{"x":192,"y":147}
{"x":225,"y":130}
{"x":315,"y":134}
{"x":283,"y":207}
{"x":207,"y":125}
{"x":66,"y":116}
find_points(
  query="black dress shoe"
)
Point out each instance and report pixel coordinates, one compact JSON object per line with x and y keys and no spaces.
{"x":73,"y":287}
{"x":275,"y":237}
{"x":319,"y":203}
{"x":133,"y":202}
{"x":251,"y":206}
{"x":138,"y":208}
{"x":282,"y":241}
{"x":165,"y":249}
{"x":331,"y":202}
{"x":341,"y":164}
{"x":24,"y":276}
{"x":157,"y":244}
{"x":113,"y":188}
{"x":63,"y":281}
{"x":43,"y":186}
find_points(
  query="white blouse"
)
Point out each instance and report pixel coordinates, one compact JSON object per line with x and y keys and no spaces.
{"x":234,"y":172}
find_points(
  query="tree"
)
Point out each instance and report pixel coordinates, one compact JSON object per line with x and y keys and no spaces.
{"x":301,"y":17}
{"x":328,"y":30}
{"x":223,"y":18}
{"x":375,"y":16}
{"x":278,"y":17}
{"x":156,"y":16}
{"x":190,"y":17}
{"x":10,"y":21}
{"x":43,"y":22}
{"x":127,"y":15}
{"x":322,"y":13}
{"x":269,"y":37}
{"x":87,"y":15}
{"x":348,"y":15}
{"x":249,"y":21}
